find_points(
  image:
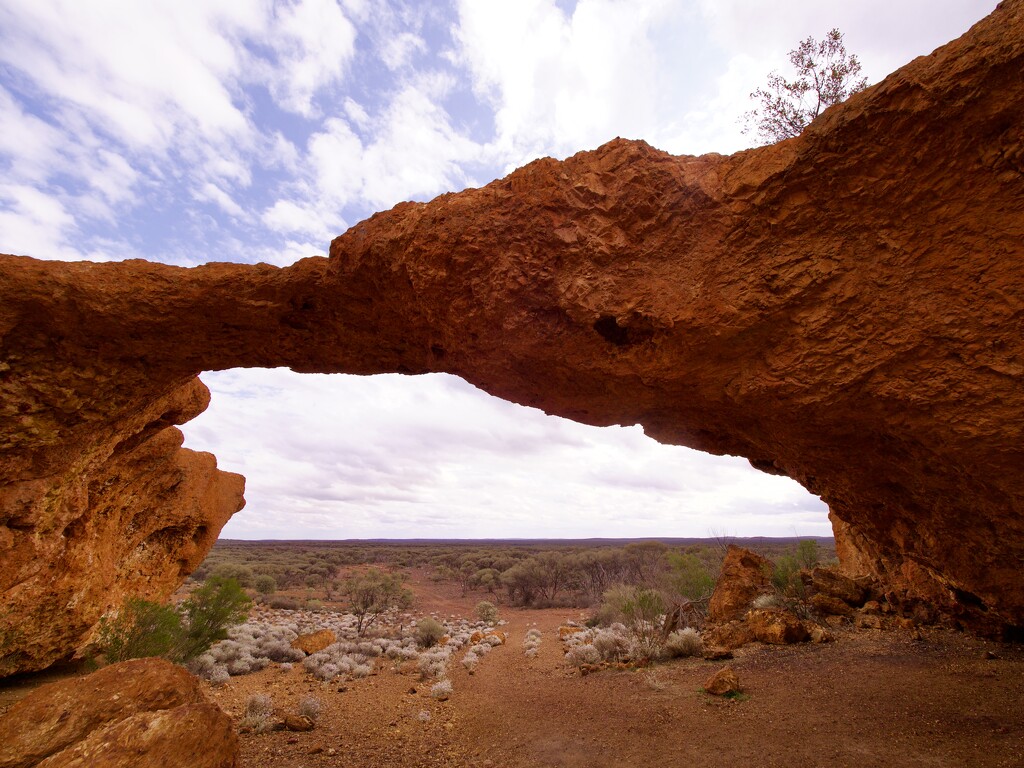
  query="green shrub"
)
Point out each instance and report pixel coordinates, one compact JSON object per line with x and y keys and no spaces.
{"x":243,"y":574}
{"x":487,"y":611}
{"x":428,"y":632}
{"x":139,"y":630}
{"x":807,"y":553}
{"x":143,"y":628}
{"x":689,"y":577}
{"x":786,"y":576}
{"x":283,"y":603}
{"x":265,"y":584}
{"x":208,"y":612}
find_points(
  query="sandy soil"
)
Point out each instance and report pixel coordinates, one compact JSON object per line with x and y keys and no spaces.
{"x":870,"y":699}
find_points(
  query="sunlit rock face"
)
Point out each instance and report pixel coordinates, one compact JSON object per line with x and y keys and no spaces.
{"x":844,"y":308}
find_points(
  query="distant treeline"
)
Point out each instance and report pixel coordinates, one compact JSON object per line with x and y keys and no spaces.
{"x":537,"y":573}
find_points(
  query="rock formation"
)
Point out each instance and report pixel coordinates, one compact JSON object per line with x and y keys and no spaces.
{"x":743,"y":577}
{"x":140,"y":713}
{"x":844,"y":308}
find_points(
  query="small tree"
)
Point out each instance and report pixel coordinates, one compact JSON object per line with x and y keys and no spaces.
{"x":208,"y":612}
{"x":825,"y":75}
{"x":143,"y":628}
{"x":372,"y":593}
{"x":140,"y":629}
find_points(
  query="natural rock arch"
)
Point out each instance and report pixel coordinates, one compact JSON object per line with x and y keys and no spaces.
{"x":844,"y":308}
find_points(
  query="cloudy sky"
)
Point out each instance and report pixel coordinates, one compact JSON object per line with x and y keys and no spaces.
{"x":187,"y":131}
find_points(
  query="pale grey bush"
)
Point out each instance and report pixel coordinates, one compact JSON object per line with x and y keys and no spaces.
{"x":469,"y":661}
{"x":259,"y":711}
{"x":685,"y":642}
{"x":309,"y":706}
{"x":441,"y":689}
{"x":612,"y":645}
{"x":433,"y":663}
{"x":583,"y":653}
{"x":219,"y":675}
{"x":763,"y":602}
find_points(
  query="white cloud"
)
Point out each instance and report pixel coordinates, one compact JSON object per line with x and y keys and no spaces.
{"x":413,"y":152}
{"x":34,"y":223}
{"x":211,"y":193}
{"x":313,"y":42}
{"x":562,"y":83}
{"x":431,"y":456}
{"x":399,"y":50}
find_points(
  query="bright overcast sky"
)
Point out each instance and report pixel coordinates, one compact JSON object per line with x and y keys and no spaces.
{"x":187,"y":131}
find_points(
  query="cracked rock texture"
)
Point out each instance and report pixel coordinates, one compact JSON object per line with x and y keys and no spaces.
{"x":146,"y":712}
{"x":846,"y":308}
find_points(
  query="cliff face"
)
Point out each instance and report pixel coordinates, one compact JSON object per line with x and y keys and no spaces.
{"x":846,"y":308}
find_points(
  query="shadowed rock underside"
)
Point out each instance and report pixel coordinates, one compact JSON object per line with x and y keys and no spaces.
{"x":845,"y":308}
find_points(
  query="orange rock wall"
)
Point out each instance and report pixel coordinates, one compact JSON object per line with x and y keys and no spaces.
{"x":844,"y":308}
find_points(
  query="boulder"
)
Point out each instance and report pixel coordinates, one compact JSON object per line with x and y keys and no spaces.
{"x":833,"y":307}
{"x":830,"y":606}
{"x":731,"y":635}
{"x":744,"y":576}
{"x":831,"y":584}
{"x":314,"y":641}
{"x":298,"y":723}
{"x":722,"y":682}
{"x":146,"y":712}
{"x":776,"y":627}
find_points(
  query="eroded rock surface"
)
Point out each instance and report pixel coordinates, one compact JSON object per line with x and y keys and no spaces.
{"x":147,"y":712}
{"x":844,"y":308}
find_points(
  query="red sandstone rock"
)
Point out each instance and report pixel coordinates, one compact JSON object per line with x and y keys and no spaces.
{"x":832,"y":584}
{"x":722,"y":682}
{"x":146,"y":712}
{"x":315,"y":641}
{"x":298,"y":723}
{"x":842,"y":307}
{"x":744,"y":576}
{"x":830,"y":606}
{"x":776,"y":627}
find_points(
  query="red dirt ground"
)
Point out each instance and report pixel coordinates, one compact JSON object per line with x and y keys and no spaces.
{"x":870,"y":699}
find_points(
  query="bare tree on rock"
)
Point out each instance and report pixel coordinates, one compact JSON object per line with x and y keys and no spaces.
{"x":825,"y":75}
